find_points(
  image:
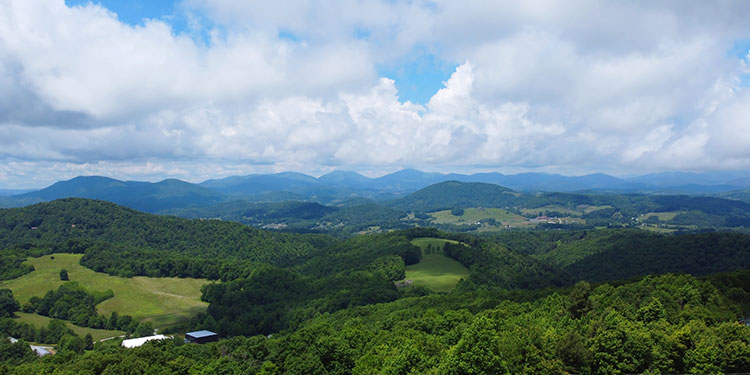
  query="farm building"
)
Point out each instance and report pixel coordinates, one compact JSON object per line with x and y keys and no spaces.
{"x":134,"y":343}
{"x":201,"y":337}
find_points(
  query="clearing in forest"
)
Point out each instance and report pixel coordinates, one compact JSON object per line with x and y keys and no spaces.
{"x":163,"y":301}
{"x":435,"y":271}
{"x":492,"y":217}
{"x":42,"y":321}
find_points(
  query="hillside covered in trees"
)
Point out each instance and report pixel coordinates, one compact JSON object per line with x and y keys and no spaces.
{"x":596,"y":301}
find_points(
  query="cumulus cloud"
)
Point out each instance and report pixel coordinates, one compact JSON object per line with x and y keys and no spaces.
{"x":582,"y":85}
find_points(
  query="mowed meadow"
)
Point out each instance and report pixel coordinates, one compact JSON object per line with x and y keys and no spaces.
{"x":162,"y":301}
{"x":435,"y":271}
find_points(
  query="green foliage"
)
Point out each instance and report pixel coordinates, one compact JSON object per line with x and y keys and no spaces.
{"x":11,"y":264}
{"x":454,"y":195}
{"x":75,"y":225}
{"x":611,"y":254}
{"x":479,"y":332}
{"x":332,"y":307}
{"x":88,"y":342}
{"x":71,"y":344}
{"x":494,"y":265}
{"x":579,"y":303}
{"x":477,"y":352}
{"x":637,"y":254}
{"x":360,"y":253}
{"x":73,"y":302}
{"x":272,"y":299}
{"x":64,"y":275}
{"x":8,"y":304}
{"x":164,"y":301}
{"x":301,"y":217}
{"x":14,"y":353}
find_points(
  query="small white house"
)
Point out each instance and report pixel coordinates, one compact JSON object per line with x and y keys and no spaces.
{"x":134,"y":343}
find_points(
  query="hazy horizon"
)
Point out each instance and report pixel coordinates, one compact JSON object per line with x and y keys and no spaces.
{"x":371,"y":176}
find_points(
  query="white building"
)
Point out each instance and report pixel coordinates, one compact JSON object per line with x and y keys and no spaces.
{"x":134,"y":343}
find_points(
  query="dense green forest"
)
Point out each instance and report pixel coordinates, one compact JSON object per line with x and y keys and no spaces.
{"x":665,"y":324}
{"x":594,"y":301}
{"x":76,"y":225}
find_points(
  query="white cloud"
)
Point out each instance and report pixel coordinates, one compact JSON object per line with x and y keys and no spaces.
{"x":583,"y":85}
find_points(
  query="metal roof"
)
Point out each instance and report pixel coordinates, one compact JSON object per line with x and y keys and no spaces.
{"x":134,"y":343}
{"x":198,"y":334}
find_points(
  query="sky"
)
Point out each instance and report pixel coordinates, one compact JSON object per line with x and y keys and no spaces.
{"x":190,"y":89}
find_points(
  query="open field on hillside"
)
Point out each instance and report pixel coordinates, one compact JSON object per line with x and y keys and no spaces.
{"x":437,"y":272}
{"x":42,"y":321}
{"x":541,"y":210}
{"x":578,"y":211}
{"x":663,"y":216}
{"x":474,"y":214}
{"x":163,"y":301}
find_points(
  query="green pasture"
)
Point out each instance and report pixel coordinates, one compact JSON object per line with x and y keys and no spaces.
{"x":552,"y":207}
{"x":663,"y":216}
{"x":163,"y":301}
{"x":585,"y":208}
{"x":42,"y":321}
{"x":474,"y":214}
{"x":437,"y":272}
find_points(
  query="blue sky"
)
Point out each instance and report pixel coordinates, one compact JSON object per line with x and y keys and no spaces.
{"x":134,"y":12}
{"x":211,"y":88}
{"x":418,"y":76}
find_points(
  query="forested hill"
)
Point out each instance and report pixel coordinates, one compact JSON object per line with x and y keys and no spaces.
{"x":143,"y":196}
{"x":617,"y":254}
{"x":451,"y":194}
{"x":66,"y":224}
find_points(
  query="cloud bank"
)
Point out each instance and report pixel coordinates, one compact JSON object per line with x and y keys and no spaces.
{"x":575,"y":86}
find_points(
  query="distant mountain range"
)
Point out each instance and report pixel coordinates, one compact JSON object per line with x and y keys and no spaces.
{"x":142,"y":196}
{"x":341,"y":186}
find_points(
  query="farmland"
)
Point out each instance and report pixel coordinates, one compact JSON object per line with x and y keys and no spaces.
{"x":477,"y":214}
{"x":163,"y":301}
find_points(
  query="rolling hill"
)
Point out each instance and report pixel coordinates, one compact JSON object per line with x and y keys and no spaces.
{"x":142,"y":196}
{"x":452,"y":194}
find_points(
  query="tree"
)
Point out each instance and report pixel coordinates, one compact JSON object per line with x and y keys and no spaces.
{"x":8,"y":304}
{"x":88,"y":342}
{"x":70,"y":343}
{"x":578,"y":300}
{"x":476,"y":351}
{"x":144,"y":329}
{"x":64,"y":275}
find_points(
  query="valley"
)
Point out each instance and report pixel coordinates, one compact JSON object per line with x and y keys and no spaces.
{"x":344,"y":287}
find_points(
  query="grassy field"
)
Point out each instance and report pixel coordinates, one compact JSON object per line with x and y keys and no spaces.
{"x":475,"y":214}
{"x":578,"y":211}
{"x":658,"y":229}
{"x":552,"y":207}
{"x":42,"y":321}
{"x":163,"y":301}
{"x":663,"y":216}
{"x":588,"y":209}
{"x":437,"y":272}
